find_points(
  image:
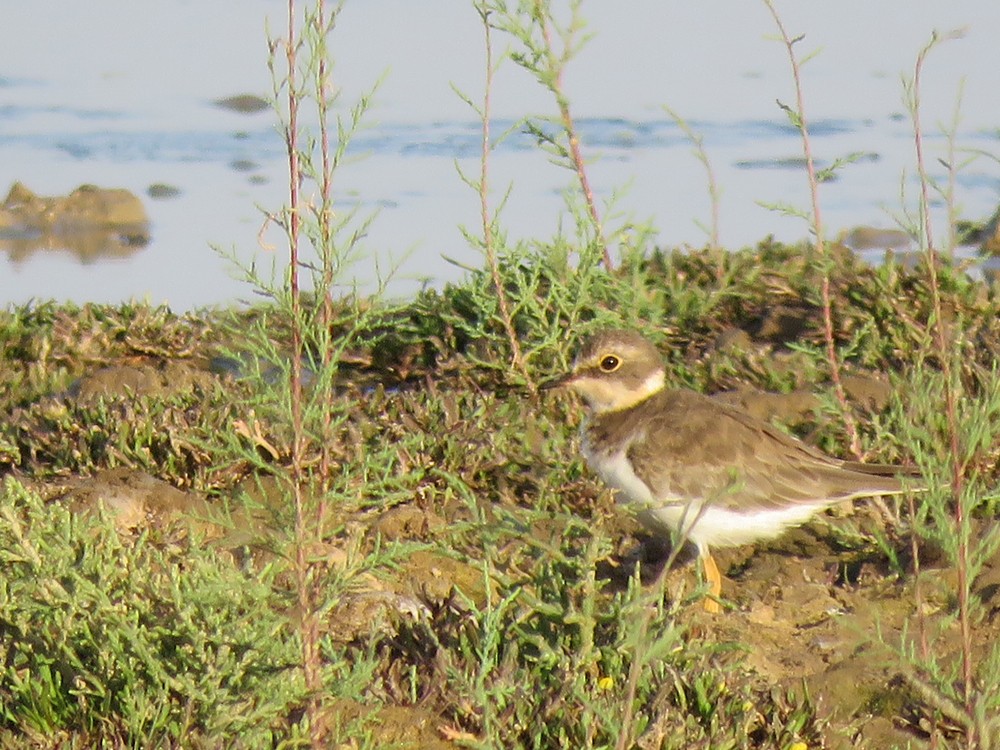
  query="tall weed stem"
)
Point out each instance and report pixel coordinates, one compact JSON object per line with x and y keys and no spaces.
{"x":714,"y":191}
{"x":535,"y":27}
{"x":489,"y":240}
{"x":945,"y":356}
{"x":798,"y":118}
{"x":311,"y":660}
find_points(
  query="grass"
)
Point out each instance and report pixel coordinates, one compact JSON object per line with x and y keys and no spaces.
{"x":400,"y":545}
{"x":529,"y":630}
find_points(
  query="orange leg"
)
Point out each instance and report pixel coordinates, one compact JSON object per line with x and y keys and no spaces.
{"x":714,"y":578}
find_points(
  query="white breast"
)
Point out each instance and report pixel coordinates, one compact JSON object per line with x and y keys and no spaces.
{"x":711,"y":526}
{"x":703,"y":523}
{"x":616,"y":471}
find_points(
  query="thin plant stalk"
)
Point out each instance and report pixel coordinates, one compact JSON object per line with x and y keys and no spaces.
{"x":714,"y":192}
{"x":918,"y":591}
{"x":656,"y":593}
{"x":326,"y":238}
{"x":489,"y":240}
{"x":531,"y":23}
{"x":799,"y":117}
{"x":311,"y":661}
{"x":952,"y":178}
{"x":950,"y":406}
{"x":557,"y":66}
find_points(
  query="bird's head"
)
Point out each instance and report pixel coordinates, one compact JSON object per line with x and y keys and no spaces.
{"x":614,"y":370}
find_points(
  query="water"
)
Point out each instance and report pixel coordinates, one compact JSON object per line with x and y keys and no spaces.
{"x":129,"y":103}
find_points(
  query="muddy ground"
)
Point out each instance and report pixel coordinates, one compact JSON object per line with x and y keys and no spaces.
{"x":821,"y":610}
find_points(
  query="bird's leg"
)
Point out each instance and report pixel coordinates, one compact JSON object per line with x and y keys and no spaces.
{"x":714,"y":578}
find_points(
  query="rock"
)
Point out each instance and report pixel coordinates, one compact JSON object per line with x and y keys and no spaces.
{"x":90,"y":222}
{"x":87,"y":206}
{"x":143,"y":380}
{"x":364,"y":615}
{"x":407,"y":522}
{"x":116,"y":381}
{"x":733,"y":340}
{"x":782,"y":323}
{"x":162,"y":191}
{"x":434,"y":577}
{"x":872,"y":238}
{"x":246,"y":104}
{"x":137,"y":500}
{"x":376,"y":607}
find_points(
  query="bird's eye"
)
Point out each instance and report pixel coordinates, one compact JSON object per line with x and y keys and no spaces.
{"x":609,"y":363}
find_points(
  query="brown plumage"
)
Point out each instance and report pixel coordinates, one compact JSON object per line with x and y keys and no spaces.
{"x":685,"y":444}
{"x":706,"y":469}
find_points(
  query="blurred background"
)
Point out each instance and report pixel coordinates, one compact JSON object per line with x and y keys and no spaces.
{"x":131,"y":95}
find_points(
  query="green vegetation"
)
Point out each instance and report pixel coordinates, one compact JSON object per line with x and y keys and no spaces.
{"x":372,"y":532}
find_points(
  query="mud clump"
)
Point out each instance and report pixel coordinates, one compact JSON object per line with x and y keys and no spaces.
{"x":142,"y":380}
{"x":136,"y":500}
{"x":90,"y":222}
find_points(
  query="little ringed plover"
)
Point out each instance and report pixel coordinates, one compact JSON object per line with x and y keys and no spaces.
{"x":697,"y":467}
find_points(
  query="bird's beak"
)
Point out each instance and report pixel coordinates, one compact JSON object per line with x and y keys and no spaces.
{"x":559,"y":382}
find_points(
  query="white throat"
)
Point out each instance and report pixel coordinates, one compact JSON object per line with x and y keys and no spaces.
{"x":653,"y":384}
{"x":603,"y":396}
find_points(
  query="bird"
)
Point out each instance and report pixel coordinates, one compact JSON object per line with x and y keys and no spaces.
{"x":699,"y":468}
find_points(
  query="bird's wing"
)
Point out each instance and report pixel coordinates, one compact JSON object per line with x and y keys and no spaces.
{"x":693,"y":447}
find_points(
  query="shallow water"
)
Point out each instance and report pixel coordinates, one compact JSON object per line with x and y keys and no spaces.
{"x":129,"y":104}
